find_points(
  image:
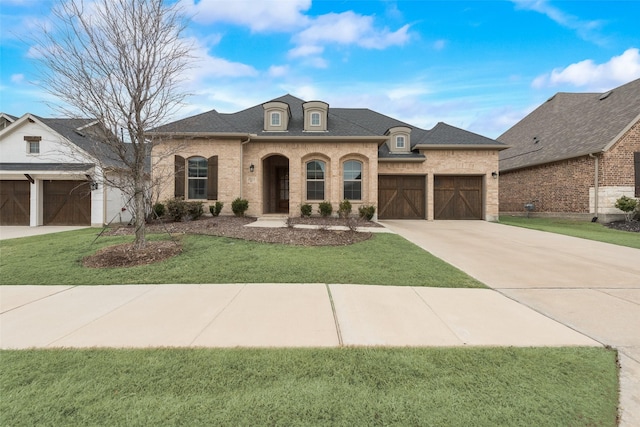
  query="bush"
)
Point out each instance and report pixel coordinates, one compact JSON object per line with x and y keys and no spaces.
{"x":344,"y":209}
{"x":216,"y":209}
{"x":195,"y":209}
{"x":176,"y":209}
{"x":158,"y":210}
{"x":627,"y":205}
{"x":305,"y":210}
{"x":239,"y":206}
{"x":325,"y":208}
{"x":367,"y":212}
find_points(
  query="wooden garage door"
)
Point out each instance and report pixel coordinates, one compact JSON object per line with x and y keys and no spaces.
{"x":67,"y":203}
{"x":401,"y":197}
{"x":457,"y":197}
{"x":14,"y":202}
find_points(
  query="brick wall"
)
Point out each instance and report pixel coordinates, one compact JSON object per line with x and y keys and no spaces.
{"x":564,"y":186}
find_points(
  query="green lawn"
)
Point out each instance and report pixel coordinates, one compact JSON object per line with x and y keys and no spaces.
{"x":582,"y":229}
{"x":385,"y":259}
{"x":293,"y":387}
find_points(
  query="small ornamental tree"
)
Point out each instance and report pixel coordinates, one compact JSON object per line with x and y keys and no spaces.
{"x":628,"y":205}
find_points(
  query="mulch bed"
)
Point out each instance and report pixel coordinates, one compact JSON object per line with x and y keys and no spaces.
{"x":632,"y":226}
{"x":124,"y":255}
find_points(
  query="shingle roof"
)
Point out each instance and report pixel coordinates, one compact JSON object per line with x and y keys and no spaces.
{"x":342,"y":122}
{"x":58,"y":167}
{"x":570,"y":125}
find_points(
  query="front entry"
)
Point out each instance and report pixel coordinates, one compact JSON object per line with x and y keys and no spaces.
{"x":282,"y":175}
{"x":276,"y":185}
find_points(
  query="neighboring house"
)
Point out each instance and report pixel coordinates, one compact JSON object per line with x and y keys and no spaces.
{"x":287,"y":152}
{"x":575,"y":155}
{"x":49,"y":174}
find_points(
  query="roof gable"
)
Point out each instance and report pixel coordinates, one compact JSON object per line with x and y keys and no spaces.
{"x":571,"y":125}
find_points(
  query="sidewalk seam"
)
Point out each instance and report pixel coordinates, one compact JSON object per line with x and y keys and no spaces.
{"x":244,"y":285}
{"x":40,"y":299}
{"x":335,"y":316}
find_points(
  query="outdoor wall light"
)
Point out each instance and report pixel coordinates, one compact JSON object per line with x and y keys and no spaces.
{"x":494,"y":174}
{"x":251,"y":168}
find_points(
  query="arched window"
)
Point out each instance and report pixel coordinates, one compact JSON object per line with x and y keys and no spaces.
{"x":315,"y":119}
{"x":315,"y":180}
{"x":197,"y":178}
{"x":352,"y":180}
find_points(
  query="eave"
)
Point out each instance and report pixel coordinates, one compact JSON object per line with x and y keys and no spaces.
{"x":498,"y":147}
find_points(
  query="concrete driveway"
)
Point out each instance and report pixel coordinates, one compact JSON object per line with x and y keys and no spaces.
{"x":15,"y":231}
{"x":589,"y":286}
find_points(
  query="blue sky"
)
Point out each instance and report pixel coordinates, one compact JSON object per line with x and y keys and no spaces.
{"x":478,"y":65}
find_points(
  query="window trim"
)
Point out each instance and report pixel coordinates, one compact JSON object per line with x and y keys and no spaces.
{"x":344,"y":180}
{"x":323,"y":180}
{"x":33,"y":144}
{"x":404,"y":142}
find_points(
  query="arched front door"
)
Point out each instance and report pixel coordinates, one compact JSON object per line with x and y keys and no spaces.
{"x":276,"y":184}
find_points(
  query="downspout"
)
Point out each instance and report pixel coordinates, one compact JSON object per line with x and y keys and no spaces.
{"x":596,"y":195}
{"x":242,"y":143}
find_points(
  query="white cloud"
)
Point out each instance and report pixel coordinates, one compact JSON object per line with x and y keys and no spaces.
{"x":350,"y":28}
{"x":587,"y":30}
{"x":259,"y":15}
{"x":305,"y":50}
{"x":17,"y":78}
{"x":439,"y":44}
{"x":278,"y":70}
{"x":591,"y":76}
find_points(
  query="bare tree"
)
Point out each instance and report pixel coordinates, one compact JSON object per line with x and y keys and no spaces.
{"x":120,"y":62}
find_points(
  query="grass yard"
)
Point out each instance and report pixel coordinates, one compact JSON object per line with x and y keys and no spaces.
{"x":336,"y":387}
{"x":385,"y":259}
{"x":582,"y":229}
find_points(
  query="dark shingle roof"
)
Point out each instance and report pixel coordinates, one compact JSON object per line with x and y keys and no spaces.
{"x":67,"y":167}
{"x":342,"y":122}
{"x":570,"y":125}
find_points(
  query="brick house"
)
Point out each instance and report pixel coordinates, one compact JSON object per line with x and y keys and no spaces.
{"x":287,"y":152}
{"x":50,"y":174}
{"x":575,"y":155}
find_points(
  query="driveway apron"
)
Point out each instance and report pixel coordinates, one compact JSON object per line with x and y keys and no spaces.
{"x":590,"y":286}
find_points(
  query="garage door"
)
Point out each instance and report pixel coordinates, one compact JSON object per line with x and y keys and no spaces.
{"x":457,"y":197}
{"x":14,"y":202}
{"x":401,"y":197}
{"x":66,"y":203}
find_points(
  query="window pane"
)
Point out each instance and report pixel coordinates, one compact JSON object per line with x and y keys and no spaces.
{"x":315,"y":170}
{"x":197,"y":188}
{"x":315,"y":190}
{"x":275,"y":119}
{"x":352,"y":180}
{"x":315,"y":119}
{"x":198,"y":167}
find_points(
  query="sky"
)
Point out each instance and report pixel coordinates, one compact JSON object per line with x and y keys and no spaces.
{"x":477,"y":65}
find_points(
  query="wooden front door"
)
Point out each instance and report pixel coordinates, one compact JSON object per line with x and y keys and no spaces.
{"x":282,"y":189}
{"x":14,"y":202}
{"x":401,"y":197}
{"x":457,"y":197}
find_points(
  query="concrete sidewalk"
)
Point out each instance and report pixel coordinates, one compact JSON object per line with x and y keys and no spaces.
{"x":270,"y":315}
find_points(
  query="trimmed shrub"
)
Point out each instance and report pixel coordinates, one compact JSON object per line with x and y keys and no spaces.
{"x":305,"y":210}
{"x":195,"y":210}
{"x":367,"y":212}
{"x":628,"y":205}
{"x":176,"y":209}
{"x":216,"y":209}
{"x":344,"y":209}
{"x":325,"y":208}
{"x":158,"y":210}
{"x":239,"y":206}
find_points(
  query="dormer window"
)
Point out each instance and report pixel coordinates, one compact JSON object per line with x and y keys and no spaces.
{"x":276,"y":116}
{"x":399,"y":139}
{"x":315,"y":116}
{"x":315,"y":119}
